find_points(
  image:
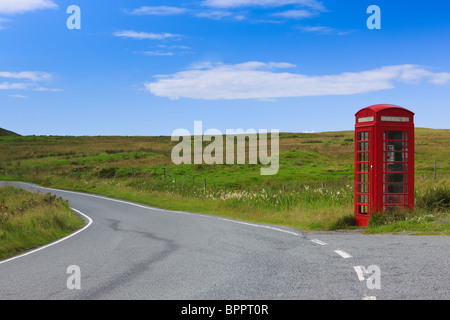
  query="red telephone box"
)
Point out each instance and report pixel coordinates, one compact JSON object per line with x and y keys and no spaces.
{"x":384,"y":161}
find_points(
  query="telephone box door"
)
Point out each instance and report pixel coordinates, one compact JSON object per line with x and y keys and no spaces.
{"x":364,"y":174}
{"x":396,"y":171}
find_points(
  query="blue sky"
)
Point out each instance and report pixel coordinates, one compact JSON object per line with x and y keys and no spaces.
{"x":150,"y":67}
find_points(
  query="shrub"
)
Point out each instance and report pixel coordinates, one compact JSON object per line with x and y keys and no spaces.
{"x":434,"y":198}
{"x":107,"y":173}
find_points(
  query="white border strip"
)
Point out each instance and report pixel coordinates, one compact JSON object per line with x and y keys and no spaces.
{"x":90,"y":221}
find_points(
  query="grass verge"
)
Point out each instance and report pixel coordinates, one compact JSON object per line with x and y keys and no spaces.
{"x":306,"y":208}
{"x":29,"y":220}
{"x":431,"y":215}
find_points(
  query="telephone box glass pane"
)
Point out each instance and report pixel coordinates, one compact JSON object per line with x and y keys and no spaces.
{"x":363,"y":136}
{"x":363,"y":209}
{"x":398,"y":200}
{"x":363,"y":199}
{"x":363,"y":188}
{"x":364,"y":178}
{"x":363,"y":157}
{"x":395,"y":156}
{"x":363,"y":146}
{"x":397,"y":167}
{"x":363,"y":167}
{"x":395,"y":188}
{"x":396,"y":177}
{"x":397,"y":135}
{"x":395,"y":146}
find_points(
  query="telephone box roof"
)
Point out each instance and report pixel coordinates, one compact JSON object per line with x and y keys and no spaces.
{"x":382,"y":107}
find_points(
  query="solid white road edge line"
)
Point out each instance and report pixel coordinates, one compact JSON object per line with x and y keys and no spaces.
{"x":55,"y":242}
{"x":165,"y":210}
{"x":260,"y":226}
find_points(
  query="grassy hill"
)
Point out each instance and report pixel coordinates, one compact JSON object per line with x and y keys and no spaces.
{"x":5,"y":133}
{"x":312,"y":190}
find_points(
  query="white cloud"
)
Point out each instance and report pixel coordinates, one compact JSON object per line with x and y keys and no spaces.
{"x":297,"y":14}
{"x":258,"y":80}
{"x":174,"y":46}
{"x":32,"y":80}
{"x":21,"y":6}
{"x":166,"y":11}
{"x":19,"y":96}
{"x":441,"y":78}
{"x":220,"y":9}
{"x":158,"y":11}
{"x":322,"y":30}
{"x":43,"y":89}
{"x":144,"y":35}
{"x":14,"y":86}
{"x":214,"y":14}
{"x":156,"y":53}
{"x":299,"y":9}
{"x":26,"y":75}
{"x":263,"y":3}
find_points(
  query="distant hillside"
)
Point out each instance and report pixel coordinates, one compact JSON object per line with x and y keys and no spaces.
{"x":4,"y":133}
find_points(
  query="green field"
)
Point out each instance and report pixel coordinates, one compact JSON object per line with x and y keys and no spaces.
{"x":313,"y":189}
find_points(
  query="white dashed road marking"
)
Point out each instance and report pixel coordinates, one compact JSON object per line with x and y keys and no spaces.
{"x":343,"y":254}
{"x":319,"y":242}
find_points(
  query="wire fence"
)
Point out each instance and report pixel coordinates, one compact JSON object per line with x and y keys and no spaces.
{"x":165,"y":176}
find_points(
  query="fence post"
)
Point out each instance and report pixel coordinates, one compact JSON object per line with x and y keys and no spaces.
{"x":435,"y":171}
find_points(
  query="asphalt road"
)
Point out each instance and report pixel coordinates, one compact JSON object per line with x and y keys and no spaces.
{"x":132,"y":251}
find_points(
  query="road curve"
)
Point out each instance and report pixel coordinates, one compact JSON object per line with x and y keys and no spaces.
{"x":133,"y":251}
